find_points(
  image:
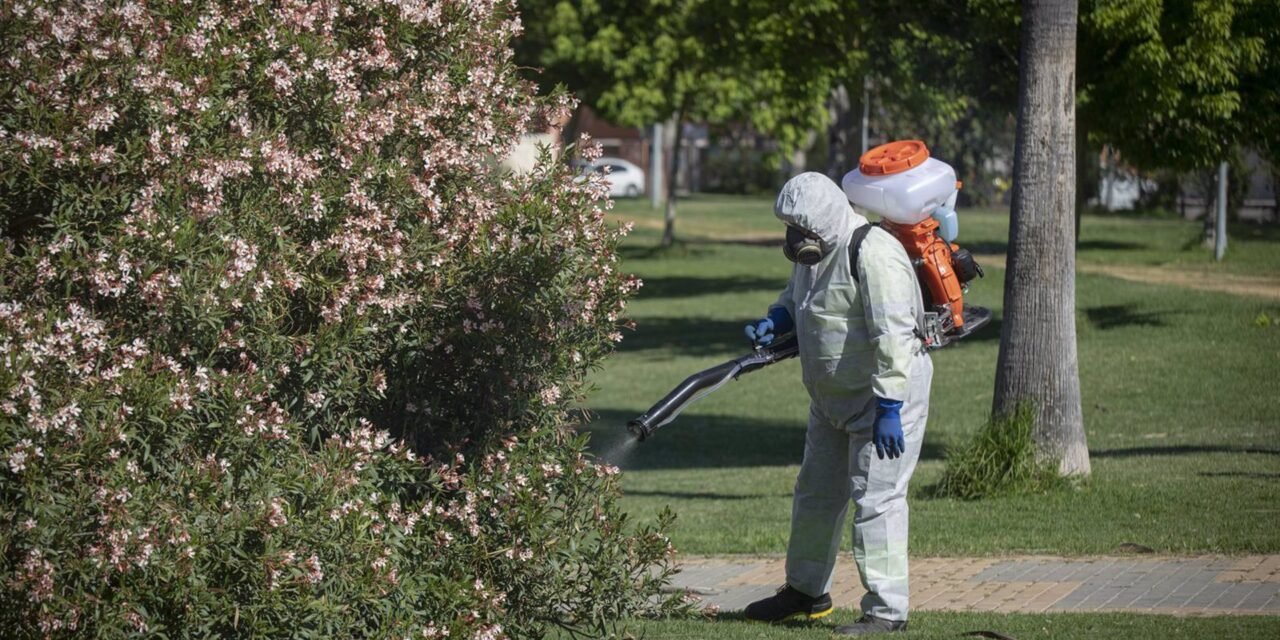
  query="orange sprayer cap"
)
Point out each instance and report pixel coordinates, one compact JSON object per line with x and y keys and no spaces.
{"x":894,"y":157}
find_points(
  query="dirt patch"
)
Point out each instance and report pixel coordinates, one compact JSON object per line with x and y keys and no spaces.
{"x":1257,"y":286}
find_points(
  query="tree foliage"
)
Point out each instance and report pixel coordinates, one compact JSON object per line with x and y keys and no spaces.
{"x":1170,"y":84}
{"x":1174,"y":83}
{"x":715,"y":61}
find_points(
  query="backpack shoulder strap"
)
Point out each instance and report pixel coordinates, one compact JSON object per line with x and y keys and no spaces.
{"x":855,"y":247}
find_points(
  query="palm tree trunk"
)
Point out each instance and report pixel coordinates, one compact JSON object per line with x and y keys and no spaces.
{"x":1038,"y":363}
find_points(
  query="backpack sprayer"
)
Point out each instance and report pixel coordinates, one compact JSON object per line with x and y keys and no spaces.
{"x":915,"y":196}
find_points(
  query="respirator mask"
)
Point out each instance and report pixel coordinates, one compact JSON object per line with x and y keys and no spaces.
{"x":802,"y":247}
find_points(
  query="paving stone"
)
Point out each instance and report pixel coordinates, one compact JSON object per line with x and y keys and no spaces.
{"x":725,"y":572}
{"x":1038,"y":571}
{"x":1050,"y":597}
{"x":1239,"y":571}
{"x":1003,"y":593}
{"x":1135,"y":576}
{"x":1056,"y":571}
{"x":760,"y":574}
{"x":1206,"y":597}
{"x":1097,"y":596}
{"x":1087,"y":572}
{"x":1181,"y":585}
{"x":1258,"y":599}
{"x":1184,"y":592}
{"x":1154,"y":588}
{"x":1234,"y":596}
{"x":709,"y":575}
{"x":740,"y":598}
{"x":922,"y":598}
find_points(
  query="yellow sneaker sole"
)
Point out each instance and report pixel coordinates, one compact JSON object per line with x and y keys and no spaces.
{"x":807,"y":616}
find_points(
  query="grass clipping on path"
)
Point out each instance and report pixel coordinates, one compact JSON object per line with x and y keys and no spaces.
{"x":1001,"y":460}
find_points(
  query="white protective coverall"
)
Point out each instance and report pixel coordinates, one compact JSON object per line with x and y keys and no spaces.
{"x":857,"y":342}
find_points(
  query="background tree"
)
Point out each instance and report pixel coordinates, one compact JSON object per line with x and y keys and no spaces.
{"x":944,"y":72}
{"x":693,"y":60}
{"x":1166,"y":82}
{"x":1260,"y":90}
{"x":1037,"y":366}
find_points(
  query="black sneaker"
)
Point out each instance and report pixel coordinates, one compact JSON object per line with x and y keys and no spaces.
{"x":789,"y":604}
{"x":869,"y":624}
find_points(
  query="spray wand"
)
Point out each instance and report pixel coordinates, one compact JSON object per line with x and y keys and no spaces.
{"x":700,"y":384}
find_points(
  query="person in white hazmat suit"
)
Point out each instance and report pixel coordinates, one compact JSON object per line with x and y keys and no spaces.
{"x":868,"y":375}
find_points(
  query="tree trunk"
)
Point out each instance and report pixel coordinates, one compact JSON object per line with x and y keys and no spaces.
{"x":669,"y":224}
{"x":865,"y":127}
{"x":1038,"y":365}
{"x":1086,"y":175}
{"x":569,"y":133}
{"x":842,"y":148}
{"x":1111,"y":175}
{"x":1275,"y":192}
{"x":1209,"y":186}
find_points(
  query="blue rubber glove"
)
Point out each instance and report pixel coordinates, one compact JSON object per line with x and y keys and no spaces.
{"x":762,"y":331}
{"x":887,"y":431}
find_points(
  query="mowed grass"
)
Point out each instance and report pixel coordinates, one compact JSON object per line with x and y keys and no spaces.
{"x":931,"y":624}
{"x":1181,"y":393}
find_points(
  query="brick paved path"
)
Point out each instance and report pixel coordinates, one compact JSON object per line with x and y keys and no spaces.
{"x":1184,"y":585}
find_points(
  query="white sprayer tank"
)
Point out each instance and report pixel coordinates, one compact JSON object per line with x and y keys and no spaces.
{"x":901,"y":183}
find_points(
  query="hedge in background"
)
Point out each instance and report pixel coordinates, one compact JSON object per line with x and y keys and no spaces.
{"x":283,"y":353}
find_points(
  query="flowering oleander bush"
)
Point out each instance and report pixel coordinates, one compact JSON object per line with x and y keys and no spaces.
{"x":283,"y":352}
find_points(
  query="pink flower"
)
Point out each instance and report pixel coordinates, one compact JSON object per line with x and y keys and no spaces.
{"x":314,"y":572}
{"x":550,"y":394}
{"x":275,"y":514}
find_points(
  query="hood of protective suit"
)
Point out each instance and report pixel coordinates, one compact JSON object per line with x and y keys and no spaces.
{"x":815,"y":203}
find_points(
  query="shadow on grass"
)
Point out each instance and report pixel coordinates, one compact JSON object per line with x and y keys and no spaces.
{"x":679,"y":249}
{"x":1115,"y":316}
{"x":1179,"y":450}
{"x":703,"y":495}
{"x":695,"y":441}
{"x":1108,"y":245}
{"x":688,"y":287}
{"x":985,"y":248}
{"x":1239,"y":230}
{"x":991,"y":332}
{"x":763,"y":241}
{"x":1002,"y":248}
{"x":690,"y":336}
{"x":1252,"y":475}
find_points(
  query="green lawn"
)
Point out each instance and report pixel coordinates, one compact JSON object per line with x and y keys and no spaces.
{"x":1113,"y":239}
{"x":928,"y":624}
{"x":1180,"y":396}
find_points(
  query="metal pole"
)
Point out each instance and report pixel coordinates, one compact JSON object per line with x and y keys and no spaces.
{"x":655,"y":165}
{"x":1220,"y":232}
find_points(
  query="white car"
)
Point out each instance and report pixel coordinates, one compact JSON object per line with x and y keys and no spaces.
{"x":625,"y":178}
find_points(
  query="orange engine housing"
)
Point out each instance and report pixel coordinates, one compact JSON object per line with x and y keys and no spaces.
{"x":932,"y":257}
